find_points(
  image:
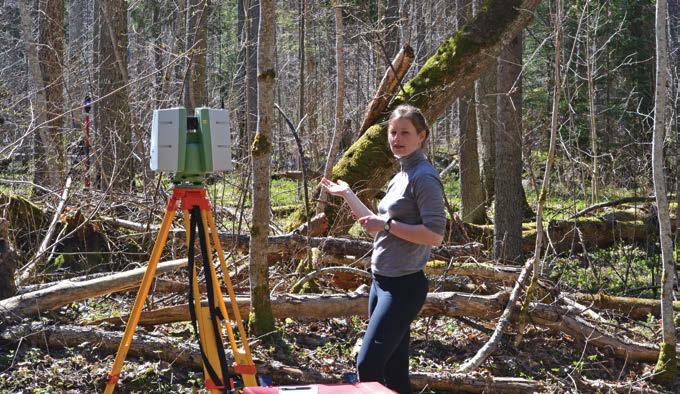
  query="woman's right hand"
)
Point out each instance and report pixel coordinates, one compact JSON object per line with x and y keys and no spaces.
{"x":341,"y":188}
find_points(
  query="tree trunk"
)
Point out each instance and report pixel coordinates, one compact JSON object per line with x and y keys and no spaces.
{"x":338,"y":127}
{"x":113,"y":128}
{"x":179,"y":352}
{"x":261,"y":319}
{"x":252,"y":27}
{"x":591,"y":47}
{"x":51,"y":55}
{"x":46,"y":147}
{"x":240,"y":77}
{"x":195,"y":91}
{"x":666,"y":369}
{"x":450,"y":72}
{"x":485,"y":110}
{"x":508,"y":180}
{"x":302,"y":52}
{"x":473,"y":208}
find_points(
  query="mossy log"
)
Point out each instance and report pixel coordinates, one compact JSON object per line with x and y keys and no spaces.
{"x":450,"y":304}
{"x":460,"y":60}
{"x":26,"y":221}
{"x":575,"y":236}
{"x":634,"y":308}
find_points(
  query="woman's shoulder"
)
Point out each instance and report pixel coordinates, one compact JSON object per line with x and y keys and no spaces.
{"x":425,"y":169}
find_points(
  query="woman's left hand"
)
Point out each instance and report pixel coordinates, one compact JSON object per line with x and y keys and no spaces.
{"x":372,"y":223}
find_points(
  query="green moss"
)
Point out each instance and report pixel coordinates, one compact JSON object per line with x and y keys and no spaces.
{"x":261,"y":145}
{"x":666,"y":369}
{"x":262,"y":325}
{"x":449,"y":61}
{"x":26,"y":220}
{"x":304,"y":267}
{"x":296,"y":218}
{"x":267,"y":74}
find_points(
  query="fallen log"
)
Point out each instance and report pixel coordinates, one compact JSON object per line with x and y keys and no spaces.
{"x":482,"y":270}
{"x":634,"y":308}
{"x":574,"y":236}
{"x":183,"y":353}
{"x":293,"y":245}
{"x":387,"y":88}
{"x":178,"y":351}
{"x":625,"y":200}
{"x":473,"y":383}
{"x":449,"y":304}
{"x":561,"y":319}
{"x":66,"y":292}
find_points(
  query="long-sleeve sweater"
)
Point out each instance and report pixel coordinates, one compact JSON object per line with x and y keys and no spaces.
{"x":414,"y":196}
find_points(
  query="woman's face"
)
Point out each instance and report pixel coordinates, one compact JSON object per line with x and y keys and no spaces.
{"x":403,"y":137}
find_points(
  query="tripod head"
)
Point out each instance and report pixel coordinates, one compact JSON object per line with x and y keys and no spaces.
{"x":191,"y":147}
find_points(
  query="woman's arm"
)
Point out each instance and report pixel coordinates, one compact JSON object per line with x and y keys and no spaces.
{"x":416,"y":233}
{"x":342,"y":189}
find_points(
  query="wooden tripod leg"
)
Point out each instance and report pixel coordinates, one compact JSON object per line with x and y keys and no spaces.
{"x":142,"y":293}
{"x":243,"y":358}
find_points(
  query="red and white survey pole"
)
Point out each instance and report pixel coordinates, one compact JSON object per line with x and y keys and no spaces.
{"x":87,"y":105}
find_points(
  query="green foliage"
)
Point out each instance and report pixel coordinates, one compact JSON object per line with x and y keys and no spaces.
{"x":615,"y":270}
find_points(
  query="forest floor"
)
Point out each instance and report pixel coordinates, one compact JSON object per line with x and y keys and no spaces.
{"x":438,"y":344}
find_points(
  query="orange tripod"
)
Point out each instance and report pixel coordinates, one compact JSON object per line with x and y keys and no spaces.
{"x":208,"y":320}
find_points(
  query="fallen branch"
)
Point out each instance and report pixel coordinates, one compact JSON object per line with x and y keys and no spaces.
{"x":26,"y":271}
{"x":490,"y":346}
{"x":388,"y":87}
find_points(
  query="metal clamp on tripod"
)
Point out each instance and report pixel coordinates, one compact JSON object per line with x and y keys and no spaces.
{"x":195,"y":155}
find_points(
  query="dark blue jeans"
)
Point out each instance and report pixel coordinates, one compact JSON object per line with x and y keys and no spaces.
{"x":393,"y":304}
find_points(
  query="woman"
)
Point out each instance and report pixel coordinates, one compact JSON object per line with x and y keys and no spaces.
{"x":409,"y":222}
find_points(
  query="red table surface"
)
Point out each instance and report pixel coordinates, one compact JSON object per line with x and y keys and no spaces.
{"x":359,"y":388}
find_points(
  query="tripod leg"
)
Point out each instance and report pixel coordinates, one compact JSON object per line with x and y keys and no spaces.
{"x":242,"y":358}
{"x":208,"y":322}
{"x":142,"y":293}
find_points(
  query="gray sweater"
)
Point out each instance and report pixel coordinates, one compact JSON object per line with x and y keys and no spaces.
{"x":414,"y":196}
